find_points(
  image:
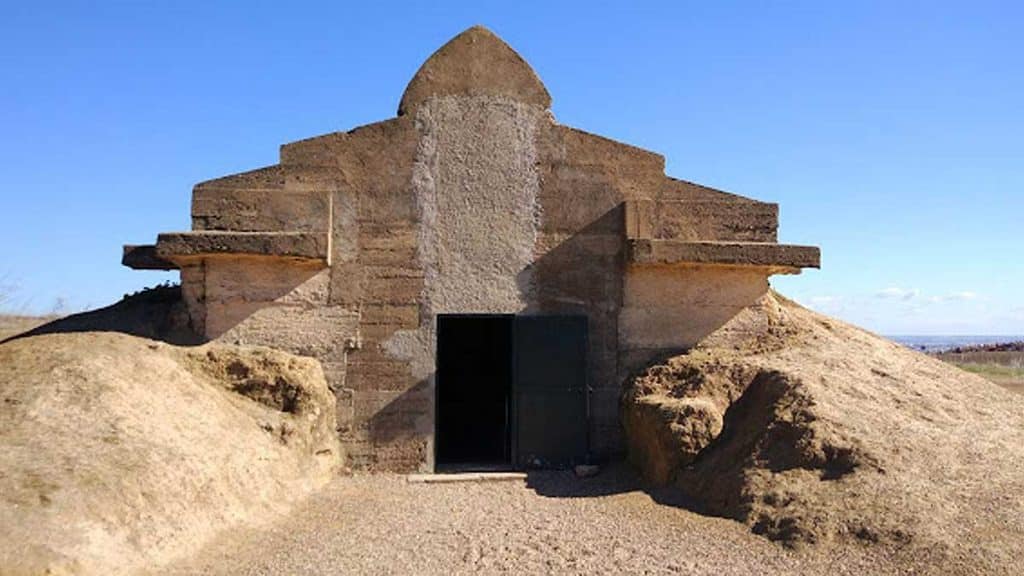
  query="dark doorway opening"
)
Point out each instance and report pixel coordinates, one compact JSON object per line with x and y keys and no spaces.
{"x":474,"y":383}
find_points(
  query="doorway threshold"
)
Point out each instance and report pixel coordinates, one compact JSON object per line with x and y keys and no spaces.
{"x":449,"y":476}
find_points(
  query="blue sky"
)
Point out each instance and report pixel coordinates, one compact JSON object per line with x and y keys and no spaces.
{"x":891,"y":133}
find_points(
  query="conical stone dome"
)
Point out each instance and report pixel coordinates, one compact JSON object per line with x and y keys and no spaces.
{"x":475,"y":63}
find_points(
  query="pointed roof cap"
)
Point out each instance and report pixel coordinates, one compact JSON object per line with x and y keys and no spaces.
{"x":475,"y":63}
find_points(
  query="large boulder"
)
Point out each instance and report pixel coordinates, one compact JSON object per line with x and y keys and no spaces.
{"x":814,"y":431}
{"x":118,"y":452}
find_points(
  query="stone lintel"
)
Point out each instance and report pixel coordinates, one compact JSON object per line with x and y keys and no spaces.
{"x":143,"y":257}
{"x":293,"y":245}
{"x":780,"y":258}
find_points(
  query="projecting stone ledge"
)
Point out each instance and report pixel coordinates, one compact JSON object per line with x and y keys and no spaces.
{"x":143,"y":257}
{"x":293,"y":245}
{"x":299,"y":245}
{"x":781,"y":258}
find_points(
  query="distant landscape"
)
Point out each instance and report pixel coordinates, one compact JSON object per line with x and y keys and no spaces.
{"x":1002,"y":364}
{"x":13,"y":324}
{"x":999,"y":359}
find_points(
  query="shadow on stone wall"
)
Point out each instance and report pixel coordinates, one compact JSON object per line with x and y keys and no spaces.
{"x":155,"y":313}
{"x":399,"y":430}
{"x":581,"y":274}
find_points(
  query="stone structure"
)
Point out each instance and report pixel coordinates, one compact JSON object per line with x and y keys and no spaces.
{"x":472,"y":200}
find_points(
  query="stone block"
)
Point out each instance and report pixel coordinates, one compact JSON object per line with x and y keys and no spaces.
{"x":248,"y":210}
{"x":347,"y":284}
{"x":402,"y":316}
{"x":262,"y":280}
{"x":143,"y":257}
{"x":180,"y":246}
{"x":741,"y":221}
{"x":379,"y":376}
{"x":394,"y":290}
{"x":323,"y":332}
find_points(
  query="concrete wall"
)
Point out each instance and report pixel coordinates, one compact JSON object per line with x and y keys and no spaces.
{"x":472,"y":200}
{"x":579,"y":255}
{"x":475,"y":205}
{"x":273,"y":302}
{"x":667,"y":309}
{"x":475,"y":185}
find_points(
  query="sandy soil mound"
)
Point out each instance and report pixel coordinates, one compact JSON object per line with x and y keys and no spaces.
{"x":118,"y":452}
{"x":813,"y":431}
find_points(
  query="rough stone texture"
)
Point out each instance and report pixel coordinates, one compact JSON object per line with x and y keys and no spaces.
{"x":255,"y":210}
{"x":472,"y":200}
{"x":177,"y":246}
{"x":474,"y":180}
{"x":814,"y":431}
{"x":247,"y":202}
{"x":777,"y":257}
{"x":257,"y":301}
{"x":193,"y":293}
{"x":722,"y":218}
{"x":120,"y":453}
{"x":143,"y":257}
{"x":475,"y":63}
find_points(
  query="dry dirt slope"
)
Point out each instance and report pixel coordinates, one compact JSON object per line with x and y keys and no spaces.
{"x":814,"y":431}
{"x":118,"y":452}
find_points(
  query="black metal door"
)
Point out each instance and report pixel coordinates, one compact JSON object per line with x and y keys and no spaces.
{"x":550,"y":390}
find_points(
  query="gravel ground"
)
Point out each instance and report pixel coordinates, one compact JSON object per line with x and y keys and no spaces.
{"x":552,"y":523}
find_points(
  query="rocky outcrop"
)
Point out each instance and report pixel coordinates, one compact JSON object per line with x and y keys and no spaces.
{"x":814,"y":431}
{"x":118,"y":452}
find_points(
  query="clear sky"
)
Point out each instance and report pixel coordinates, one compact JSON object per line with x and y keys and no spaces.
{"x":891,"y":133}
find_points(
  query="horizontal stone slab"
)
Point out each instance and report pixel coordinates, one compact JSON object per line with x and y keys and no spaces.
{"x":297,"y":245}
{"x":143,"y":257}
{"x":762,"y":254}
{"x":466,"y":477}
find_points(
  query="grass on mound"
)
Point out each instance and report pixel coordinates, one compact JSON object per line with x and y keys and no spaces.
{"x":13,"y":324}
{"x":1003,"y":368}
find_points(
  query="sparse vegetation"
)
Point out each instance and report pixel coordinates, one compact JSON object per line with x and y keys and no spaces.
{"x":14,"y":324}
{"x":163,"y":294}
{"x":1003,"y":367}
{"x":7,"y":289}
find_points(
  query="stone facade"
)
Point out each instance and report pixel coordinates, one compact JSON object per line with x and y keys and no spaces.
{"x":472,"y":200}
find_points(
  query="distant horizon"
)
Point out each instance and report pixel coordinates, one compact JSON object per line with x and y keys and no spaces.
{"x":953,"y":335}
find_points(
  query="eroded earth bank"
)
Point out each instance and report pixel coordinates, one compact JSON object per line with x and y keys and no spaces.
{"x":817,"y":433}
{"x":118,"y":452}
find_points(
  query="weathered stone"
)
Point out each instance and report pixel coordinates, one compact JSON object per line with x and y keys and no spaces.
{"x":475,"y":63}
{"x":694,"y":220}
{"x":143,"y":257}
{"x":472,"y":200}
{"x":297,"y":245}
{"x":254,"y":210}
{"x":778,"y":257}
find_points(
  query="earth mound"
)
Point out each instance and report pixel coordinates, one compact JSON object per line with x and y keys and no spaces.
{"x":118,"y":453}
{"x":811,"y":430}
{"x":158,"y":313}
